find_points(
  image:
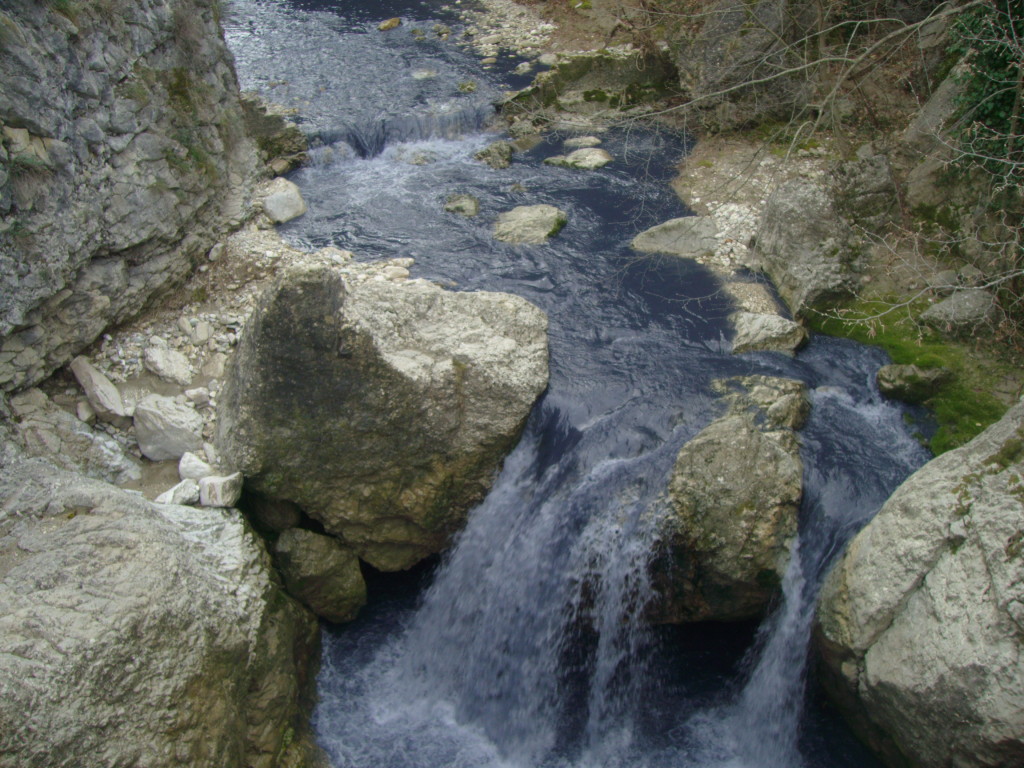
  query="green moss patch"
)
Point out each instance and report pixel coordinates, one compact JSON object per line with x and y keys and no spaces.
{"x":963,"y":406}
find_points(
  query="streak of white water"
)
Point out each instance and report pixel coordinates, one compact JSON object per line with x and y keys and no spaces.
{"x":530,"y":649}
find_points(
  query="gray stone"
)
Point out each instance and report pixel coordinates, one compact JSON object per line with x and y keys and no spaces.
{"x":186,"y":492}
{"x":970,"y":276}
{"x":283,"y":201}
{"x":498,"y":155}
{"x":132,"y":224}
{"x":864,"y":192}
{"x":466,"y":205}
{"x":691,"y":237}
{"x":735,"y":64}
{"x":963,"y":313}
{"x":199,"y":396}
{"x":201,"y":333}
{"x":322,"y":573}
{"x":191,"y":467}
{"x":911,"y":383}
{"x":585,"y":159}
{"x":735,"y":491}
{"x":169,"y":364}
{"x":381,"y":409}
{"x":920,"y":621}
{"x":581,"y":142}
{"x":757,"y":332}
{"x":805,"y":247}
{"x":48,"y":431}
{"x":103,"y":396}
{"x":166,"y":429}
{"x":220,"y":490}
{"x":533,"y":224}
{"x":134,"y":633}
{"x":944,"y":282}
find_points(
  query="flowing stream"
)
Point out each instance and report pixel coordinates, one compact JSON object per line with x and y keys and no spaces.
{"x":527,"y":646}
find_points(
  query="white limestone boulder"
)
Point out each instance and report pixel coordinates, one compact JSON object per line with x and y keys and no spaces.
{"x":166,"y":429}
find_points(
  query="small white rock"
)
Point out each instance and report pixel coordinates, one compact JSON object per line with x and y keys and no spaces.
{"x":168,"y":364}
{"x":191,"y":467}
{"x":284,"y":202}
{"x":220,"y":491}
{"x":198,"y":396}
{"x":185,"y":492}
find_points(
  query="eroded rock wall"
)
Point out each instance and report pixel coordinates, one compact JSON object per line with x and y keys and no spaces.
{"x":122,"y":153}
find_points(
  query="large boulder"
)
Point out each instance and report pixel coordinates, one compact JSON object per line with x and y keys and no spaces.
{"x":805,"y":247}
{"x":380,"y":408}
{"x":963,"y":313}
{"x":921,"y":620}
{"x":134,"y":633}
{"x":735,"y":492}
{"x":762,"y":332}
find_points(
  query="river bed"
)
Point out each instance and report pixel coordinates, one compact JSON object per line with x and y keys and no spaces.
{"x":526,"y":645}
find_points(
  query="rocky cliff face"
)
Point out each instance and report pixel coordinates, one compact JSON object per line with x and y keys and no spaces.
{"x":921,"y":621}
{"x":122,"y":152}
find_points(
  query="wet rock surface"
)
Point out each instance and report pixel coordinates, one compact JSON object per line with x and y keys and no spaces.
{"x":735,"y":491}
{"x":531,"y":224}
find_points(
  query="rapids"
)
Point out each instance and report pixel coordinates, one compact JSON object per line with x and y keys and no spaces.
{"x":526,"y":646}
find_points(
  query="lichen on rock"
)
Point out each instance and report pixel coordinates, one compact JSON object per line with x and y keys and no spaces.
{"x":920,"y":621}
{"x":735,"y":492}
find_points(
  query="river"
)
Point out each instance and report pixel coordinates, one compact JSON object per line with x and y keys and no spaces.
{"x":525,"y":645}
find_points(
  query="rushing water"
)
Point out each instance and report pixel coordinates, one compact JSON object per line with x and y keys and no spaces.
{"x":528,"y":647}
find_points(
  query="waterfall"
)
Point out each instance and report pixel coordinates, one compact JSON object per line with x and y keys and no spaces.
{"x":530,"y":647}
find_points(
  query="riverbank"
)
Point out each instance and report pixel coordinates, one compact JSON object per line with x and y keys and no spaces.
{"x":904,"y":263}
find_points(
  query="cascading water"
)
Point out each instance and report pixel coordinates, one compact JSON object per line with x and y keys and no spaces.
{"x":530,"y":647}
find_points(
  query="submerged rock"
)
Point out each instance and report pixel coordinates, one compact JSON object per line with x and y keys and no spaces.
{"x":585,"y":159}
{"x":498,"y":155}
{"x":921,"y":620}
{"x":134,"y":633}
{"x":533,"y":224}
{"x":911,"y":383}
{"x":691,"y":237}
{"x":381,"y":409}
{"x":735,"y":491}
{"x":465,"y":205}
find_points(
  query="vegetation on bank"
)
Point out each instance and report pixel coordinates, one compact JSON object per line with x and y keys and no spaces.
{"x":963,"y":406}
